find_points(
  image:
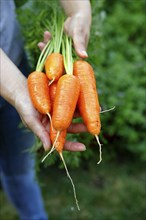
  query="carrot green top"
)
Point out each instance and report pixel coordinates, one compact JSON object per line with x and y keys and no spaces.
{"x":45,"y":52}
{"x":67,"y":54}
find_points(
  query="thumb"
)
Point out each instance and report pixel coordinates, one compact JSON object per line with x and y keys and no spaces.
{"x":79,"y":41}
{"x":39,"y":130}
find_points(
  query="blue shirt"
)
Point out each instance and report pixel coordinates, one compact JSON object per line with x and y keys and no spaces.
{"x":10,"y":36}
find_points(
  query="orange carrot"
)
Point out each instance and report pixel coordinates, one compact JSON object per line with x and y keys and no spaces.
{"x":38,"y":84}
{"x":67,"y":93}
{"x":88,"y":102}
{"x":39,"y":91}
{"x":60,"y":141}
{"x":52,"y":90}
{"x":54,"y":66}
{"x":57,"y":139}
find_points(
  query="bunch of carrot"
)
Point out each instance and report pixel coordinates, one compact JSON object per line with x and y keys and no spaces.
{"x":63,"y":86}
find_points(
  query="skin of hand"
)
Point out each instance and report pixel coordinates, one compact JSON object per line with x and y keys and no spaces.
{"x":77,"y":24}
{"x":13,"y":88}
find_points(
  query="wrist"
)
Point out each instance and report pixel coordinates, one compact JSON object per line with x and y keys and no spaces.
{"x":72,"y":7}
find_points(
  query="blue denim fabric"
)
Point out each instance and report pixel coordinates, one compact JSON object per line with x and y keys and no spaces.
{"x":17,"y":164}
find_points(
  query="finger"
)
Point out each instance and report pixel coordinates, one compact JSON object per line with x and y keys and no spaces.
{"x":41,"y":45}
{"x":46,"y":123}
{"x":77,"y":128}
{"x":67,"y":25}
{"x":73,"y":28}
{"x":79,"y":41}
{"x":74,"y":146}
{"x":47,"y":36}
{"x":39,"y":130}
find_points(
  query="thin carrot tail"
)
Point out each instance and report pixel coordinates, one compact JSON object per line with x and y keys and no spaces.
{"x":107,"y":110}
{"x":50,"y":120}
{"x":74,"y":190}
{"x":100,"y":151}
{"x":53,"y":147}
{"x":51,"y":81}
{"x":44,"y":158}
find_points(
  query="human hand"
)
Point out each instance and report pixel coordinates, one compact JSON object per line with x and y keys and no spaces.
{"x":77,"y":24}
{"x":31,"y":118}
{"x":78,"y":29}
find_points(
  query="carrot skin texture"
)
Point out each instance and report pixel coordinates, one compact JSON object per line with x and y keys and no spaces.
{"x":61,"y":139}
{"x":39,"y":91}
{"x":88,"y":102}
{"x":52,"y":90}
{"x":54,"y":66}
{"x":67,"y":93}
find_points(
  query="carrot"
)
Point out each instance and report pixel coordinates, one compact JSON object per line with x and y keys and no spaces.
{"x":38,"y":84}
{"x":54,"y":66}
{"x":39,"y":91}
{"x":57,"y":140}
{"x":88,"y":102}
{"x":60,"y":141}
{"x":67,"y":93}
{"x":52,"y":90}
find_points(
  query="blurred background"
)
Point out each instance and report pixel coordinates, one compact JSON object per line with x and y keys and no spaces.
{"x":115,"y":189}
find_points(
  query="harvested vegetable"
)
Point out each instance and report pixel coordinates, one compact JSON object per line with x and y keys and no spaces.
{"x":67,"y":93}
{"x":38,"y":84}
{"x":88,"y":102}
{"x":54,"y":66}
{"x":39,"y":92}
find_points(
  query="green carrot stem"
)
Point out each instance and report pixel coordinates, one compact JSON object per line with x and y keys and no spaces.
{"x":67,"y":54}
{"x":41,"y":55}
{"x":58,"y":34}
{"x":45,"y":52}
{"x":56,"y":29}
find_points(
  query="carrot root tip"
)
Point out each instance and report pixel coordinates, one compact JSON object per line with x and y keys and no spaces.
{"x":50,"y":119}
{"x":100,"y":150}
{"x":52,"y":149}
{"x":67,"y":172}
{"x":51,"y":81}
{"x":107,"y":110}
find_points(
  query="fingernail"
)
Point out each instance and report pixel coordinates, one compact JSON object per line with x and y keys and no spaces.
{"x":83,"y":147}
{"x":84,"y":53}
{"x":46,"y":146}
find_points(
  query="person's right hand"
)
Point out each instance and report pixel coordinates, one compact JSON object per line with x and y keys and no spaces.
{"x":78,"y":28}
{"x":77,"y":24}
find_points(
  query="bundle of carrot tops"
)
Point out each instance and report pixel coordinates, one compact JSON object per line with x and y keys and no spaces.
{"x":59,"y":85}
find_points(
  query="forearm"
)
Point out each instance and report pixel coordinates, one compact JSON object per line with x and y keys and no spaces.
{"x":12,"y":81}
